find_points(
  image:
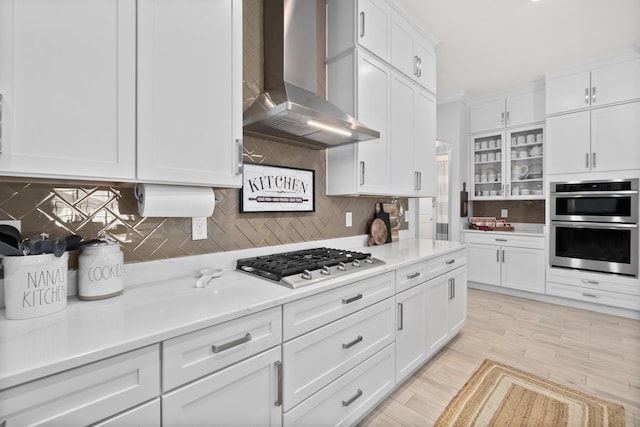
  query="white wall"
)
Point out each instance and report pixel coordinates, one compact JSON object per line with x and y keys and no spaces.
{"x":452,"y":125}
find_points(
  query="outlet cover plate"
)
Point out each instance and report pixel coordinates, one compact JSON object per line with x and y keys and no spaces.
{"x":198,"y":228}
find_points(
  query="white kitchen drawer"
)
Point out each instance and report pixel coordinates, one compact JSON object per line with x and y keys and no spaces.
{"x":310,"y":313}
{"x":409,"y":276}
{"x":147,"y":415}
{"x":199,"y":353}
{"x":314,"y":360}
{"x":597,"y":296}
{"x":531,"y":242}
{"x":352,"y":395}
{"x":445,"y":263}
{"x":589,"y":280}
{"x":86,"y":394}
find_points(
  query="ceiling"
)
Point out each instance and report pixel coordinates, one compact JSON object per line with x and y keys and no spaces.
{"x":489,"y":45}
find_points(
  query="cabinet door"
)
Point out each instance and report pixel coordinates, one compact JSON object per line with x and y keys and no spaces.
{"x":424,"y":143}
{"x":615,"y":138}
{"x":402,"y":112}
{"x":402,"y":47}
{"x":437,"y":313}
{"x":147,"y":415}
{"x":411,"y":330}
{"x":484,"y":264}
{"x":426,"y":63}
{"x":568,"y":145}
{"x":374,"y":23}
{"x":487,"y":116}
{"x":189,"y":91}
{"x":616,"y":83}
{"x":567,"y":93}
{"x":374,"y":80}
{"x":525,"y":109}
{"x":457,"y":301}
{"x":243,"y":394}
{"x":67,"y":78}
{"x":523,"y":269}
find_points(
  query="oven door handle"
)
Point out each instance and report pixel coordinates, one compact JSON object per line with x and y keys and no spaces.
{"x":620,"y":193}
{"x":602,"y":225}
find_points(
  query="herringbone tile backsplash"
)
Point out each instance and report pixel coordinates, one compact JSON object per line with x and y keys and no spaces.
{"x":90,"y":210}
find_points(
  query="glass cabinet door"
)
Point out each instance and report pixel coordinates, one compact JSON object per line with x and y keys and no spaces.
{"x":488,"y":174}
{"x":525,"y":164}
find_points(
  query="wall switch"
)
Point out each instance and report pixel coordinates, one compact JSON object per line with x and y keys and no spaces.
{"x":504,"y":213}
{"x":15,"y":223}
{"x":198,"y":228}
{"x":348,"y":219}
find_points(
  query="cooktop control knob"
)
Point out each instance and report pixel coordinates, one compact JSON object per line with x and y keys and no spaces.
{"x":342,"y":266}
{"x":369,"y":260}
{"x":306,"y":274}
{"x":355,"y":263}
{"x":325,"y":270}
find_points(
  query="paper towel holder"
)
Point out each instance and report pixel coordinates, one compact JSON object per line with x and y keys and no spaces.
{"x":174,"y":201}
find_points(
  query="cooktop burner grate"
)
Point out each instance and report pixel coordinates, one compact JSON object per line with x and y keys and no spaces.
{"x":279,"y":267}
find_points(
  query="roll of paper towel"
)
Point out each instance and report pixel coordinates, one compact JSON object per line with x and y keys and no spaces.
{"x":155,"y":200}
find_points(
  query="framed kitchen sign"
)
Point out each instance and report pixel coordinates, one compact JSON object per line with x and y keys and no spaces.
{"x":267,"y":188}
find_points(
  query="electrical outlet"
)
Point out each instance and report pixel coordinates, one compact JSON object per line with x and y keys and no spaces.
{"x":504,"y":213}
{"x":348,"y":219}
{"x":15,"y":223}
{"x":198,"y":228}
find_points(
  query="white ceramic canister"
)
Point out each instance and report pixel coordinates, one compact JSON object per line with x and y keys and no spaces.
{"x":100,"y":271}
{"x":35,"y":285}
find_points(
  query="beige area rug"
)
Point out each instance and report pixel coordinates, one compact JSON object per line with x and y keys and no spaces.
{"x":499,"y":395}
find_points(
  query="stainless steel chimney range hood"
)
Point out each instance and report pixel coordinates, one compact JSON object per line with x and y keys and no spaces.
{"x":289,"y":110}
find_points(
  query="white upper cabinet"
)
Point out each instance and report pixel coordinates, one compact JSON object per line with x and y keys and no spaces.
{"x":412,"y":54}
{"x":67,"y":81}
{"x":599,"y":86}
{"x":189,"y":92}
{"x":365,"y":23}
{"x":515,"y":110}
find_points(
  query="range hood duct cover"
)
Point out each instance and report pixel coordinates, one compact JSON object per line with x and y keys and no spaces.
{"x":289,"y":109}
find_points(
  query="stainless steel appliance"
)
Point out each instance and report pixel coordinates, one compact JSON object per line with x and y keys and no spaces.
{"x":305,"y":267}
{"x":594,"y":226}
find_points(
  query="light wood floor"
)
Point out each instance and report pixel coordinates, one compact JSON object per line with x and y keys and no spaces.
{"x":596,"y":353}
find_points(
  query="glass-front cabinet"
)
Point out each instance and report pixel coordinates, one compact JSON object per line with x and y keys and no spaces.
{"x":508,"y":164}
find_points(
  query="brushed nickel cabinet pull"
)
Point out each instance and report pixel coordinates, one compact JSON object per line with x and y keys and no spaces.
{"x":361,"y":173}
{"x":589,"y":295}
{"x":415,"y":65}
{"x":593,"y":95}
{"x":413,"y":275}
{"x":449,"y":262}
{"x":353,"y":399}
{"x":278,"y":365}
{"x":352,"y":343}
{"x":352,"y":299}
{"x":231,"y":344}
{"x":240,"y":152}
{"x":1,"y":101}
{"x":586,"y":160}
{"x":502,"y":240}
{"x":497,"y":255}
{"x":419,"y":67}
{"x":591,"y":282}
{"x":503,"y":256}
{"x":361,"y":24}
{"x":400,"y":316}
{"x":502,"y":119}
{"x":453,"y":288}
{"x":508,"y":120}
{"x":593,"y":160}
{"x":586,"y":95}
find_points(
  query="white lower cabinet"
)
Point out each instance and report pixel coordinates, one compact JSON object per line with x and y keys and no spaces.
{"x":411,"y":327}
{"x":84,"y":395}
{"x":147,"y":415}
{"x":511,"y":262}
{"x":351,"y":396}
{"x":446,"y":307}
{"x":245,"y":394}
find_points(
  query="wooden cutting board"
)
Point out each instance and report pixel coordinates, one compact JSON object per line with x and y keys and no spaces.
{"x":378,"y":233}
{"x":384,"y":216}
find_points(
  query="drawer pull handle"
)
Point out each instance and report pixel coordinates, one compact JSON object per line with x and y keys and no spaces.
{"x":451,"y":261}
{"x":353,"y":399}
{"x":352,"y":299}
{"x":502,"y":240}
{"x":352,"y":343}
{"x":231,"y":344}
{"x":590,"y":295}
{"x":591,"y":282}
{"x":278,"y":366}
{"x":401,"y":316}
{"x":413,"y":276}
{"x":240,"y":149}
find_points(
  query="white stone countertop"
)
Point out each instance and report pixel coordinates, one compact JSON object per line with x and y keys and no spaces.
{"x":161,"y":302}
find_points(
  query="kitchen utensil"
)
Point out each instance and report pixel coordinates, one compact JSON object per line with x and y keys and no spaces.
{"x":10,"y":235}
{"x":378,"y":232}
{"x":73,"y":242}
{"x":464,"y":201}
{"x":519,"y":171}
{"x":384,"y":216}
{"x":8,"y":250}
{"x":207,"y":275}
{"x":534,"y":151}
{"x":41,"y":244}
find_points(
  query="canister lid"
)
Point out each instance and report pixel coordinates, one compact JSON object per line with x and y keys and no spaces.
{"x":104,"y":246}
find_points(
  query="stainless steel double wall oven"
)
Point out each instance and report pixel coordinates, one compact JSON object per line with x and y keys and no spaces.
{"x":594,"y":226}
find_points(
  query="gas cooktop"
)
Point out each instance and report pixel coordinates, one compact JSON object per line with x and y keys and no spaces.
{"x":308,"y":266}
